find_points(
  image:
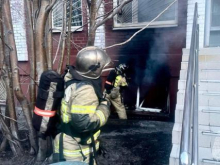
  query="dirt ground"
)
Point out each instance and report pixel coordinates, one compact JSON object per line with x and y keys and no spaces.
{"x":132,"y":142}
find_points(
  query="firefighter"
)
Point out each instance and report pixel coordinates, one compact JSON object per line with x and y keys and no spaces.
{"x":83,"y":109}
{"x":114,"y":85}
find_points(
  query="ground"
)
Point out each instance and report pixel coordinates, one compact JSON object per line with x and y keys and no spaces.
{"x":132,"y":142}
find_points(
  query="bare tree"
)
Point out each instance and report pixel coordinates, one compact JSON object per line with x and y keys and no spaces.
{"x":1,"y":39}
{"x":38,"y":16}
{"x":69,"y":33}
{"x":62,"y":39}
{"x":44,"y":8}
{"x":94,"y":22}
{"x":31,"y":47}
{"x":5,"y":75}
{"x":15,"y":73}
{"x":49,"y":42}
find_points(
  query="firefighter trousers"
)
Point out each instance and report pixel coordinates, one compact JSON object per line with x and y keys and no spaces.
{"x":118,"y":105}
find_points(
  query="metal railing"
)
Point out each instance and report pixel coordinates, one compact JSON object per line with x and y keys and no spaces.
{"x":189,"y":137}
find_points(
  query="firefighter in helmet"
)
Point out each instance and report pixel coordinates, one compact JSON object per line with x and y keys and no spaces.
{"x":114,"y":85}
{"x":83,"y":110}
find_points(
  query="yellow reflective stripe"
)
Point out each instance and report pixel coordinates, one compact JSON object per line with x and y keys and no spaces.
{"x":117,"y":79}
{"x":83,"y":109}
{"x":65,"y":116}
{"x":101,"y":116}
{"x":124,"y":84}
{"x":75,"y":153}
{"x":96,"y":135}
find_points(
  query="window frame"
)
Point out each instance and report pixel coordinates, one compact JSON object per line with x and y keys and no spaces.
{"x":155,"y":24}
{"x":73,"y":28}
{"x":208,"y":27}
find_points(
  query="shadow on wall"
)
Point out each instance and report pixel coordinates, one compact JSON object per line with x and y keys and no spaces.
{"x":148,"y":61}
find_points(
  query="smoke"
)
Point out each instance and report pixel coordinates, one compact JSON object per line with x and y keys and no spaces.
{"x":156,"y":70}
{"x":150,"y":55}
{"x":147,"y":57}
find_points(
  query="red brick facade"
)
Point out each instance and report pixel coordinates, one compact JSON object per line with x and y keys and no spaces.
{"x":159,"y":46}
{"x":162,"y":46}
{"x":79,"y":38}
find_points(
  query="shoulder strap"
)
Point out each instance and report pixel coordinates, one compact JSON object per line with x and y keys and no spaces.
{"x":94,"y":85}
{"x":61,"y":157}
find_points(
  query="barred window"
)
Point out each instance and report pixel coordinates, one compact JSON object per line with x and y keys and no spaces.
{"x":138,"y":13}
{"x":76,"y":20}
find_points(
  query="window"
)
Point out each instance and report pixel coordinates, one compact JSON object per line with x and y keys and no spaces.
{"x":138,"y":13}
{"x":76,"y":21}
{"x":212,"y":37}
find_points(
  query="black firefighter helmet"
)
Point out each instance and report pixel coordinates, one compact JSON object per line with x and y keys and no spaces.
{"x":121,"y":69}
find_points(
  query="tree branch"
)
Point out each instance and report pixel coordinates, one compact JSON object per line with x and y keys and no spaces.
{"x":113,"y":13}
{"x":119,"y":44}
{"x":10,"y":132}
{"x":89,"y":4}
{"x":49,"y":7}
{"x":98,"y":5}
{"x":35,"y":82}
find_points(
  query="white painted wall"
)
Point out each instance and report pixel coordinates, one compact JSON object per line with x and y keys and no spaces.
{"x":201,"y":21}
{"x":18,"y":19}
{"x":100,"y":32}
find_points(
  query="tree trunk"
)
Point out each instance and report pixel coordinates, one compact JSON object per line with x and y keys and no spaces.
{"x":3,"y":144}
{"x":7,"y":79}
{"x":11,"y":106}
{"x":69,"y":33}
{"x":4,"y":141}
{"x":7,"y":134}
{"x":39,"y":38}
{"x":63,"y":39}
{"x":92,"y":29}
{"x":31,"y":51}
{"x":43,"y":13}
{"x":7,"y":122}
{"x":1,"y":40}
{"x":49,"y":42}
{"x":15,"y":74}
{"x":91,"y":38}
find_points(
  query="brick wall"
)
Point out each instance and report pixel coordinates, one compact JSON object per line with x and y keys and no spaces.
{"x":100,"y":32}
{"x":154,"y":54}
{"x":78,"y":38}
{"x":17,"y":10}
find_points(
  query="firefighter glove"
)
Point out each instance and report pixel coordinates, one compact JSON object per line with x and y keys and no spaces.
{"x":114,"y":93}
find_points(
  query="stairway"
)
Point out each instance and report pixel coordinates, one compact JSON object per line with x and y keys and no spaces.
{"x":209,"y":107}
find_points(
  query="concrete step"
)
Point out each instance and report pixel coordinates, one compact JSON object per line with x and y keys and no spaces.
{"x":202,"y":65}
{"x":174,"y":155}
{"x":211,"y":133}
{"x":210,"y":162}
{"x":204,"y":85}
{"x":209,"y":81}
{"x":203,"y":74}
{"x":211,"y":111}
{"x":204,"y":51}
{"x":207,"y":116}
{"x":205,"y":98}
{"x":207,"y":135}
{"x":204,"y":154}
{"x":204,"y":58}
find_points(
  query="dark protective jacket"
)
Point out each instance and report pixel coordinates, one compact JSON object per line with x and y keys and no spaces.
{"x":115,"y":80}
{"x":83,"y":112}
{"x":113,"y":88}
